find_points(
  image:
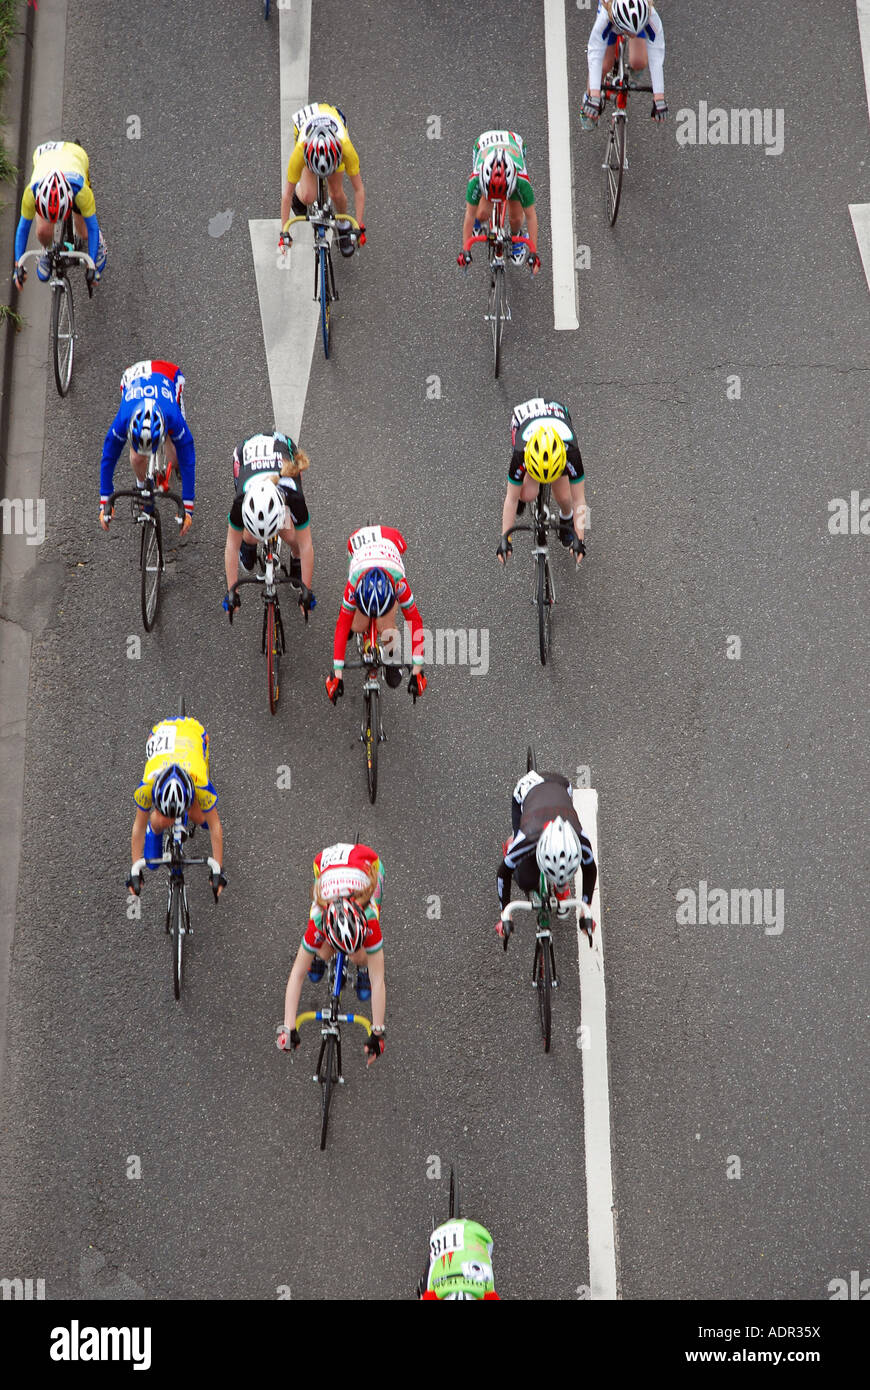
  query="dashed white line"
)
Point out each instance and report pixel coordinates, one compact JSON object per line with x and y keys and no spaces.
{"x":860,"y":212}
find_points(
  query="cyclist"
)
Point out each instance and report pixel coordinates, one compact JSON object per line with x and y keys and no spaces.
{"x":376,"y":586}
{"x":269,"y":501}
{"x":344,"y":916}
{"x":545,"y":450}
{"x":642,"y":25}
{"x":460,"y":1263}
{"x":547,"y":839}
{"x":151,"y":410}
{"x":323,"y":149}
{"x":59,"y":184}
{"x":499,"y":173}
{"x":175,"y":783}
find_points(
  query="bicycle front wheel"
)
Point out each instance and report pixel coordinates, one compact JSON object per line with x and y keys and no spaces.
{"x":455,"y":1210}
{"x":324,"y":270}
{"x":496,"y":315}
{"x":151,"y":566}
{"x":176,"y":935}
{"x":266,"y":8}
{"x":544,"y":600}
{"x":544,"y":981}
{"x":328,"y":1078}
{"x":614,"y":166}
{"x":370,"y":738}
{"x":63,"y":333}
{"x":273,"y":655}
{"x":531,"y":762}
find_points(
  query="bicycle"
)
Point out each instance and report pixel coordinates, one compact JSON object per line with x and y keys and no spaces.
{"x":62,"y":257}
{"x":323,"y":219}
{"x":454,"y":1213}
{"x":499,"y":244}
{"x":372,"y":731}
{"x":273,"y":644}
{"x":545,"y":903}
{"x":616,"y":88}
{"x":177,"y":908}
{"x":145,"y":514}
{"x":329,"y":1072}
{"x":266,"y":9}
{"x":544,"y":518}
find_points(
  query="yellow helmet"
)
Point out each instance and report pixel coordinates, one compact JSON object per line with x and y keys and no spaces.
{"x":545,"y":455}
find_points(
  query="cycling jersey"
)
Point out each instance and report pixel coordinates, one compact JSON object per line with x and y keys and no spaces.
{"x":258,"y":457}
{"x":302,"y":121}
{"x":515,"y":146}
{"x":525,"y":420}
{"x":68,"y":159}
{"x":163,"y":383}
{"x":342,"y":870}
{"x":460,"y":1261}
{"x":604,"y":36}
{"x":377,"y":547}
{"x":540,"y":798}
{"x":181,"y":742}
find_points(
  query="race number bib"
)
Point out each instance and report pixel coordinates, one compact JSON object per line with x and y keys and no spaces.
{"x":47,"y":146}
{"x":446,"y":1240}
{"x":366,"y":535}
{"x":335,"y":855}
{"x":307,"y":114}
{"x":162,"y":740}
{"x":260,"y":451}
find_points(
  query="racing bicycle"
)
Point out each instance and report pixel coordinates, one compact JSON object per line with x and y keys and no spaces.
{"x":62,"y":258}
{"x":274,"y":572}
{"x":323,"y":219}
{"x":499,"y":249}
{"x":329,"y":1073}
{"x":454,"y":1213}
{"x":372,"y":661}
{"x":616,"y":87}
{"x":144,"y":513}
{"x":544,"y":519}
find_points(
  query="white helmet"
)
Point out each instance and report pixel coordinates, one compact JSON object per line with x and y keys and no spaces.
{"x":559,"y":852}
{"x":630,"y":16}
{"x":263,"y":509}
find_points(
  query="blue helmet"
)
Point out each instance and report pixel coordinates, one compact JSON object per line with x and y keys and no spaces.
{"x":374,"y":593}
{"x":172,"y":792}
{"x":146,"y":429}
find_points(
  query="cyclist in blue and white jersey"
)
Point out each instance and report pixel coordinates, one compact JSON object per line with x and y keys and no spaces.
{"x":151,"y":410}
{"x":641,"y":24}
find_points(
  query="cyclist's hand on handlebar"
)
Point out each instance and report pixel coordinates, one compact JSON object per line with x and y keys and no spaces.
{"x":105,"y":517}
{"x":534,"y":262}
{"x":217,"y":878}
{"x":286,"y":1039}
{"x":417,"y":684}
{"x":578,"y":548}
{"x":307,"y":601}
{"x":374,"y":1047}
{"x":285,"y":241}
{"x":187,"y":523}
{"x":591,"y":107}
{"x":464,"y":259}
{"x":361,"y":235}
{"x":334,"y":687}
{"x":133,"y":883}
{"x":503,"y":929}
{"x":19,"y":275}
{"x":659,"y":110}
{"x":504,"y":548}
{"x":231,"y":603}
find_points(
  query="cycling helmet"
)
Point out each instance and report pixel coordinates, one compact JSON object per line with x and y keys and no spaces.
{"x":374,"y":594}
{"x":146,"y":429}
{"x":54,"y":197}
{"x":263,"y":509}
{"x":559,"y":852}
{"x":460,"y":1294}
{"x":630,"y":16}
{"x":172,"y":792}
{"x":322,"y":150}
{"x":498,"y":175}
{"x":545,"y":455}
{"x":345,"y":925}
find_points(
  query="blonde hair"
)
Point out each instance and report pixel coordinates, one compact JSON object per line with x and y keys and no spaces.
{"x":291,"y":468}
{"x":362,"y":897}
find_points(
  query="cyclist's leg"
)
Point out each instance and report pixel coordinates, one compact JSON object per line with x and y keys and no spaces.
{"x":561,"y":489}
{"x":391,"y":644}
{"x":305,"y":192}
{"x":637,"y":55}
{"x":335,"y":184}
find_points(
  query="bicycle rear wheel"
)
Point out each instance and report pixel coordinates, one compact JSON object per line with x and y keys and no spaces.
{"x":177,"y":922}
{"x":531,"y":761}
{"x":325,"y":298}
{"x":455,"y":1210}
{"x":273,"y":654}
{"x":63,"y":333}
{"x":544,"y":601}
{"x":151,"y":566}
{"x":543,"y":975}
{"x":496,"y":315}
{"x":614,"y":166}
{"x":372,"y":726}
{"x":328,"y":1078}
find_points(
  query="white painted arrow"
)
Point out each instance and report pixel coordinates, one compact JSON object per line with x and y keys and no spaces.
{"x":285,"y":285}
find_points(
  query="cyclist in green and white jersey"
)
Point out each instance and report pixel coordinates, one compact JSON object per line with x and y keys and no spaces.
{"x":460,"y":1262}
{"x":499,"y":173}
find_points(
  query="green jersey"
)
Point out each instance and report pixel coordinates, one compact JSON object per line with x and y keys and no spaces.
{"x":512,"y":144}
{"x":460,"y":1255}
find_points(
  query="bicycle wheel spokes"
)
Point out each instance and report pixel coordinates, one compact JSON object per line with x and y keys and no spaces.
{"x":370,"y":735}
{"x":273,"y":654}
{"x":63,"y":333}
{"x":151,"y":566}
{"x":614,"y":166}
{"x":328,"y":1078}
{"x":544,"y":601}
{"x":543,"y":975}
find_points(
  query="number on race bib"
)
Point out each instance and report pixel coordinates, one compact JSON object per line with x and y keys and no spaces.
{"x":49,"y":145}
{"x":161,"y":741}
{"x":367,"y":535}
{"x":259,"y":450}
{"x":445,"y":1240}
{"x":335,"y":854}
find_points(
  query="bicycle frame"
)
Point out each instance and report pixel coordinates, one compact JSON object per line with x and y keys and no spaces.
{"x":330,"y":1037}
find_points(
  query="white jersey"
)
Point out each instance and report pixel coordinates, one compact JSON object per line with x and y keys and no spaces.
{"x":603,"y":35}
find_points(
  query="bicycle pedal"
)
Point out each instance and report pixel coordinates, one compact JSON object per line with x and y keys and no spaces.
{"x":555,"y":982}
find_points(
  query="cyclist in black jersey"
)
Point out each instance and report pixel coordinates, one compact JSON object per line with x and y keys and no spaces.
{"x":269,"y":501}
{"x":547,"y":838}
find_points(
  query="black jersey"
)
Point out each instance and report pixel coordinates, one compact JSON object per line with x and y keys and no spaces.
{"x":540,"y":798}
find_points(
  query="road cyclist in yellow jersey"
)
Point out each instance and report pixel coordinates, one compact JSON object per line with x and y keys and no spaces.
{"x":175,"y":786}
{"x":323,"y":150}
{"x":59,"y":185}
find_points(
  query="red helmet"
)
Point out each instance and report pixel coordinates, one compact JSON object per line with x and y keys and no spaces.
{"x":498,"y":177}
{"x":54,"y":197}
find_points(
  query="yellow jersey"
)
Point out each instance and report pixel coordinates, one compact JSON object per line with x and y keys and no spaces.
{"x":177,"y":741}
{"x":301,"y":120}
{"x":68,"y":159}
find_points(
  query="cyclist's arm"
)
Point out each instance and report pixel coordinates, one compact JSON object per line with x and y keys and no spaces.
{"x":468,"y":222}
{"x":287,"y":202}
{"x":595,"y":51}
{"x":412,"y":615}
{"x":305,"y":549}
{"x":532,"y":224}
{"x":295,"y":981}
{"x":509,"y":510}
{"x":590,"y":871}
{"x":359,"y":197}
{"x":231,"y":554}
{"x":212,"y":820}
{"x":184,"y":448}
{"x":578,"y":503}
{"x":375,"y":965}
{"x":137,"y":836}
{"x":342,"y":631}
{"x":655,"y":52}
{"x":93,"y":227}
{"x":504,"y":880}
{"x":112,"y":446}
{"x":22,"y":232}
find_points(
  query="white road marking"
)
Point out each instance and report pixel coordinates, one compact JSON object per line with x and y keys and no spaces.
{"x":561,"y":172}
{"x":864,"y":35}
{"x":287,"y":311}
{"x":596,"y":1079}
{"x":860,"y":212}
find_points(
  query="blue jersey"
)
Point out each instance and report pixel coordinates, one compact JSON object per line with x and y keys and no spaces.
{"x":140,"y":384}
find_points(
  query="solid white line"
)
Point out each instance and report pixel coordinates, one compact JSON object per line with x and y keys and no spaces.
{"x":860,"y":214}
{"x":864,"y":35}
{"x":561,"y":171}
{"x":596,"y":1079}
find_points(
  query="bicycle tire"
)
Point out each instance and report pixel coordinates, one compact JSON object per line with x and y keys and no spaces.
{"x":325,"y":301}
{"x":328,"y":1077}
{"x":182,"y":707}
{"x":176,"y":936}
{"x":372,"y":727}
{"x":531,"y":761}
{"x":496,"y":316}
{"x":273,"y":657}
{"x":151,"y":569}
{"x":614,"y":167}
{"x":266,"y":8}
{"x":544,"y":601}
{"x":454,"y":1212}
{"x":544,"y":979}
{"x":63,"y":332}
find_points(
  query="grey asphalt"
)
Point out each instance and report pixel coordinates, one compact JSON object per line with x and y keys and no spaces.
{"x":709,"y":519}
